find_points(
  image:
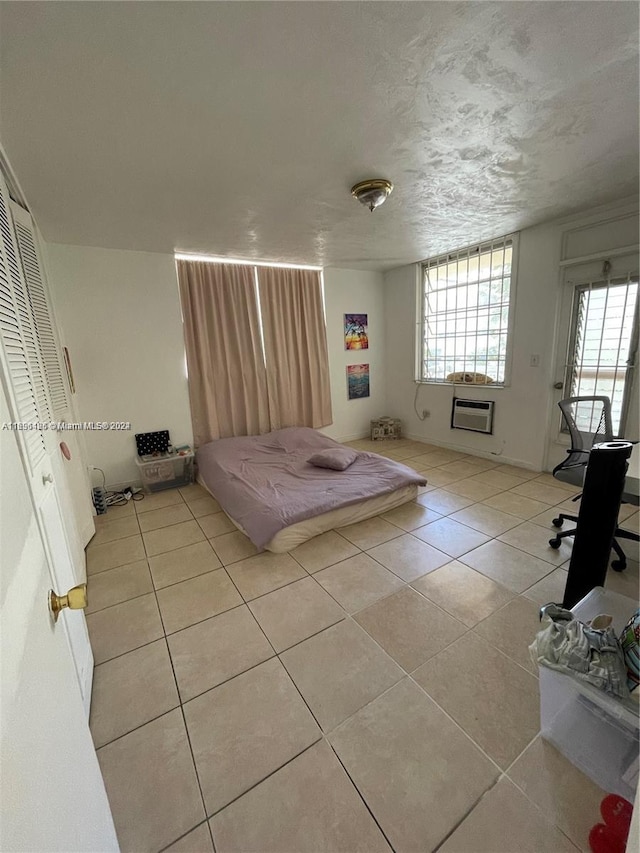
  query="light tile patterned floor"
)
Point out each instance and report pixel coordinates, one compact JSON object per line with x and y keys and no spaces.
{"x":370,"y":691}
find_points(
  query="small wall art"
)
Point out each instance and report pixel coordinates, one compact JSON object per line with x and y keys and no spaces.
{"x":356,"y":331}
{"x":357,"y":381}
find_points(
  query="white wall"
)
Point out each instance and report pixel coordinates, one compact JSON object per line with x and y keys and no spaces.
{"x":517,"y":434}
{"x":119,"y":314}
{"x":355,"y":292}
{"x":522,"y":410}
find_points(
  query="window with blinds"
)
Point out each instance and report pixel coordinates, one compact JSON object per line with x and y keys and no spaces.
{"x":466,"y":314}
{"x":602,"y":347}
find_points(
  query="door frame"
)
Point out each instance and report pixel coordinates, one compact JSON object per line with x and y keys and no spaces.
{"x":45,"y":496}
{"x":572,"y":272}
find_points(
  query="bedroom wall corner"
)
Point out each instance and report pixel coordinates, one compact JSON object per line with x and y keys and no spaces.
{"x":526,"y":407}
{"x":119,"y":313}
{"x":520,"y":408}
{"x":348,"y":291}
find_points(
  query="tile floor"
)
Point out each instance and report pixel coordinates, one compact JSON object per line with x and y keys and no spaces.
{"x":371,"y":690}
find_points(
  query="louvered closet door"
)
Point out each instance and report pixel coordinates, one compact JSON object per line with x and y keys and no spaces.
{"x":20,"y":347}
{"x":41,"y":312}
{"x":22,"y":365}
{"x":71,"y":475}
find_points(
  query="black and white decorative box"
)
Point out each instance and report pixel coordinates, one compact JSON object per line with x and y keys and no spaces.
{"x":384,"y":428}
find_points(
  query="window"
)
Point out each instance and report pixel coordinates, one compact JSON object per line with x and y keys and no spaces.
{"x":466,"y":316}
{"x":602,"y":345}
{"x":256,"y":348}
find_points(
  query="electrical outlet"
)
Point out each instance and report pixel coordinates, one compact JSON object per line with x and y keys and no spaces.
{"x":534,"y":361}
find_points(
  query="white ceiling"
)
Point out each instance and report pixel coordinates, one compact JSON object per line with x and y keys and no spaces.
{"x":238,"y":128}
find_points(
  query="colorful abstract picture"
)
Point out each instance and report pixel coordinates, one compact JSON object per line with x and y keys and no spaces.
{"x":357,"y":381}
{"x":355,"y":331}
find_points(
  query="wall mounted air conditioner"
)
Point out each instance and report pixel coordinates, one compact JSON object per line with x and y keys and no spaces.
{"x":474,"y":415}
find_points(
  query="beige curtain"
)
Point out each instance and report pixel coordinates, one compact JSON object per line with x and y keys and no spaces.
{"x":227,"y":378}
{"x":295,"y":345}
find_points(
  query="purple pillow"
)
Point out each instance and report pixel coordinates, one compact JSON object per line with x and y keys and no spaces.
{"x":338,"y":458}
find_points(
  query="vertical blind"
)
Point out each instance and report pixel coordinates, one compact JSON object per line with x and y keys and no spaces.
{"x":602,"y":345}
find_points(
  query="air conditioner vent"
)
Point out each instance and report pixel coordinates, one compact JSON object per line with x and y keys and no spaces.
{"x":473,"y":415}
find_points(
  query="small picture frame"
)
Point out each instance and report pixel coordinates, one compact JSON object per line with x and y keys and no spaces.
{"x":356,"y":331}
{"x":357,"y":381}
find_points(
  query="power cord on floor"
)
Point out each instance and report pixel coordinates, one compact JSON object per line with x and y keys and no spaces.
{"x":118,"y":498}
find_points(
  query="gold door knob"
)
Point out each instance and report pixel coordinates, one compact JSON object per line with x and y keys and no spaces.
{"x":75,"y":599}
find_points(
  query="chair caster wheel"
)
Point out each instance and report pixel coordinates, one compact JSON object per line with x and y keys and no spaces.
{"x":557,"y":522}
{"x":619,"y":565}
{"x":555,"y":543}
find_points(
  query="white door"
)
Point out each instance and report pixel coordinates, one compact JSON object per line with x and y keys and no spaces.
{"x":30,"y":403}
{"x":597,"y":344}
{"x":72,"y":478}
{"x":51,"y":791}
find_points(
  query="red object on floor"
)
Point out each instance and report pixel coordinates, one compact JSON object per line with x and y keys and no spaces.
{"x":602,"y":839}
{"x":616,"y":813}
{"x":611,"y":836}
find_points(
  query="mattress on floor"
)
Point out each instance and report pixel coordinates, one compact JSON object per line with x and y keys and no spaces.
{"x":266,"y":485}
{"x":290,"y":537}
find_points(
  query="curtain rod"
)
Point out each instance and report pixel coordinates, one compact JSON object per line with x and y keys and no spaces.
{"x":214,"y":259}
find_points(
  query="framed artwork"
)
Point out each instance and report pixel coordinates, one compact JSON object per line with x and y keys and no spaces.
{"x":357,"y":381}
{"x":356,"y":332}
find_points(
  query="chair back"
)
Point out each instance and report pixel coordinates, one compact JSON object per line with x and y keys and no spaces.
{"x":589,"y":422}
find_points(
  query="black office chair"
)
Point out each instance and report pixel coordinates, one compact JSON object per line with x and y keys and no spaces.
{"x":595,"y":410}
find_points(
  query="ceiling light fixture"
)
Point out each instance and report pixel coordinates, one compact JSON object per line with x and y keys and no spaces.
{"x":372,"y":192}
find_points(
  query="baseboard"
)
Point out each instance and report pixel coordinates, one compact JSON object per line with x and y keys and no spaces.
{"x":359,"y":436}
{"x":446,"y":445}
{"x":355,"y":437}
{"x":118,"y":487}
{"x":499,"y":458}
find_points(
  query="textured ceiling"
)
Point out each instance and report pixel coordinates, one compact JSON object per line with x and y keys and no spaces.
{"x":238,"y":128}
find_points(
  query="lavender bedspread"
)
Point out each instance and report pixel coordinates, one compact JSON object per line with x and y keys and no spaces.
{"x":264,"y":482}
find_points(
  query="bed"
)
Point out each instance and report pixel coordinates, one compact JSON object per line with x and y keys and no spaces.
{"x":270,"y":491}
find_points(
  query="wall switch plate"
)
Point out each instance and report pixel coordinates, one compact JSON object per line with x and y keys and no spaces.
{"x":534,"y":361}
